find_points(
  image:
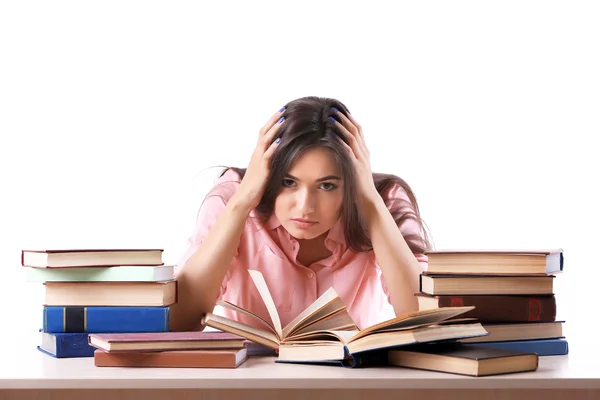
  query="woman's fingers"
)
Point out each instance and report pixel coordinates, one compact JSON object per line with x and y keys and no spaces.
{"x":352,"y":140}
{"x":268,"y":132}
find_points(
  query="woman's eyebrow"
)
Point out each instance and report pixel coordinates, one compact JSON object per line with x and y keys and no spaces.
{"x":325,"y":178}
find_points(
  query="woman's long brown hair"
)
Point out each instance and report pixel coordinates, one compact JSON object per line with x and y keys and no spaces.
{"x":308,"y":126}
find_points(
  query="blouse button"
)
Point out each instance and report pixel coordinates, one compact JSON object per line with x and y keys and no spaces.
{"x":310,"y":275}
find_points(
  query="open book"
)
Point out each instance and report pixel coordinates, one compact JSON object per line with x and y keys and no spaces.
{"x":325,"y":331}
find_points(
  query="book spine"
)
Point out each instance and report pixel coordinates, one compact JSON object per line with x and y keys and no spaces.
{"x":504,"y":308}
{"x":105,"y":319}
{"x":551,"y":347}
{"x":70,"y":345}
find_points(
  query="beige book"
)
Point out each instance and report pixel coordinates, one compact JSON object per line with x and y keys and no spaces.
{"x":110,"y":293}
{"x":325,"y":329}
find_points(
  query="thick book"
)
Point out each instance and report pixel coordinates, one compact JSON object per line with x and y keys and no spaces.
{"x":485,"y":284}
{"x":102,"y":274}
{"x":495,"y":262}
{"x":325,"y":330}
{"x":463,"y":360}
{"x":520,"y":331}
{"x":542,"y":347}
{"x":90,"y":257}
{"x":162,"y":341}
{"x":496,"y":308}
{"x":128,"y":294}
{"x":66,"y":345}
{"x":76,"y":319}
{"x":225,"y":358}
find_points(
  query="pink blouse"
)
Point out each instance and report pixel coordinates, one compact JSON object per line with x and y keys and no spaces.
{"x":270,"y":249}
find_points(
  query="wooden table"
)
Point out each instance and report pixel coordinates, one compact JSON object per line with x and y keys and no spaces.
{"x":29,"y":374}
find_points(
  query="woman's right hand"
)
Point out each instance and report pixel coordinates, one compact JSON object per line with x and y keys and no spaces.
{"x":254,"y":182}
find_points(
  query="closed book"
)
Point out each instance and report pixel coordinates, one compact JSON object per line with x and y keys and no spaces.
{"x":463,"y":360}
{"x":66,"y":345}
{"x":105,"y":319}
{"x":485,"y":284}
{"x":542,"y":347}
{"x":90,"y":257}
{"x":101,"y":274}
{"x":496,"y":308}
{"x":520,"y":331}
{"x":138,"y":294}
{"x":226,"y":358}
{"x":162,"y":341}
{"x":495,"y":261}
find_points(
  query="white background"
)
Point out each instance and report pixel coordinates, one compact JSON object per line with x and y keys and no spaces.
{"x":113,"y":112}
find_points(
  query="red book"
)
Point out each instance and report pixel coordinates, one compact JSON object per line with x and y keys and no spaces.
{"x":496,"y":308}
{"x":162,"y":341}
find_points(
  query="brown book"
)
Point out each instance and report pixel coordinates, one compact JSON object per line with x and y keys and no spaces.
{"x":90,"y":257}
{"x":226,"y":358}
{"x":88,"y":294}
{"x":485,"y":285}
{"x":494,"y":308}
{"x":463,"y":360}
{"x":520,"y":331}
{"x":495,"y":262}
{"x":161,"y":341}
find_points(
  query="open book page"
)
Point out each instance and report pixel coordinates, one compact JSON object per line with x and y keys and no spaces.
{"x":318,"y":316}
{"x":323,"y":337}
{"x":240,"y":310}
{"x":339,"y":320}
{"x":414,"y":319}
{"x":257,"y":335}
{"x":263,"y":290}
{"x":424,"y":334}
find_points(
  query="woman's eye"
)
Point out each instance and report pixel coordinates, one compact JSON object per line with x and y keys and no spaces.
{"x":288,"y":183}
{"x":327,"y":186}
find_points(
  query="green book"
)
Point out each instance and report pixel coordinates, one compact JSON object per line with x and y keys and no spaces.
{"x":101,"y":274}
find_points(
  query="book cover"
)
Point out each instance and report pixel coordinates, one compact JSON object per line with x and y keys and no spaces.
{"x":496,"y":308}
{"x":78,"y":319}
{"x":162,"y":341}
{"x":463,"y":360}
{"x":66,"y":345}
{"x":120,"y":273}
{"x":225,"y":358}
{"x":542,"y":347}
{"x":64,"y":258}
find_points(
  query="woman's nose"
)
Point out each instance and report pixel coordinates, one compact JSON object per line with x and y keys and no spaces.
{"x":305,"y":201}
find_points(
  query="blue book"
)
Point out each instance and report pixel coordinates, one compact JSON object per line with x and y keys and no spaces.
{"x":543,"y":347}
{"x":75,"y":319}
{"x":66,"y":345}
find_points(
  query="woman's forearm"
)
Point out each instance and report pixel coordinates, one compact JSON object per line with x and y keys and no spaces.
{"x":199,"y":281}
{"x":399,"y":266}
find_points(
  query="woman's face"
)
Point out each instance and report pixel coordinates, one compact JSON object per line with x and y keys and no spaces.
{"x":311,"y":195}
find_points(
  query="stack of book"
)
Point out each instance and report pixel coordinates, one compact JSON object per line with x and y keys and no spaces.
{"x":511,"y":290}
{"x":169,"y":349}
{"x":99,"y":291}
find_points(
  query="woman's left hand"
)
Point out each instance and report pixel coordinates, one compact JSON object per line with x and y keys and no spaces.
{"x":359,"y":153}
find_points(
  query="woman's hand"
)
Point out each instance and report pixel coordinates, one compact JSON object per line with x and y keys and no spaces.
{"x":254,"y":182}
{"x":359,"y":153}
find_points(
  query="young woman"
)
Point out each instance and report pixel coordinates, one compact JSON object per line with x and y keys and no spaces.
{"x":309,"y":214}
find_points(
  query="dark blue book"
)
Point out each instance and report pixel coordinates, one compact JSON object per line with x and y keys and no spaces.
{"x":105,"y":319}
{"x":542,"y":347}
{"x":66,"y":345}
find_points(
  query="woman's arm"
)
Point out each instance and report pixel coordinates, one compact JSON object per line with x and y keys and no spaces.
{"x":199,"y":280}
{"x":399,"y":266}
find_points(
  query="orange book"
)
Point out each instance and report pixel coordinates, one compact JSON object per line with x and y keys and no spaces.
{"x":225,"y":358}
